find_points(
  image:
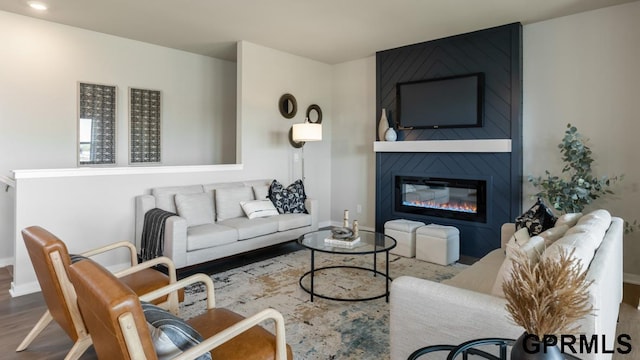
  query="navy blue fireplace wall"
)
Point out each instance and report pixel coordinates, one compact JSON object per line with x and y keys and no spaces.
{"x":497,"y":53}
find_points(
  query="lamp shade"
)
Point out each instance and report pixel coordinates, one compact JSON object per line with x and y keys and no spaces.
{"x":307,"y":132}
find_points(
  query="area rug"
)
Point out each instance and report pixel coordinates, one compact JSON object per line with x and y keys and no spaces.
{"x":322,"y":329}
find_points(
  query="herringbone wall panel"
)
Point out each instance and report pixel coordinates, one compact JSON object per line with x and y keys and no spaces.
{"x":497,"y":53}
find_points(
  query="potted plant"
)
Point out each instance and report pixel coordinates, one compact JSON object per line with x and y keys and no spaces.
{"x":546,"y":298}
{"x":577,"y":186}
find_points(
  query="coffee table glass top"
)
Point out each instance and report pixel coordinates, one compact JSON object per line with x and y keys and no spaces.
{"x":370,"y":242}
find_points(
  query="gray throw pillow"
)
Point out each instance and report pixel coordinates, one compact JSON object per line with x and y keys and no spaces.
{"x":197,"y":209}
{"x":170,"y":335}
{"x":228,"y":202}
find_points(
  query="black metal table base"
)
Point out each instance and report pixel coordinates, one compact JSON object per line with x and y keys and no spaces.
{"x":311,"y":273}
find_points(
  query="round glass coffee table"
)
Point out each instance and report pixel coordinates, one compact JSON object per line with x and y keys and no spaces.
{"x":370,"y":243}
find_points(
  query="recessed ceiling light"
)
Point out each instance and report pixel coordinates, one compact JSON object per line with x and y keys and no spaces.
{"x":37,"y":5}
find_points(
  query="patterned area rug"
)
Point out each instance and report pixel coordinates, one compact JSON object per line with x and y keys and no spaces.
{"x":322,"y":329}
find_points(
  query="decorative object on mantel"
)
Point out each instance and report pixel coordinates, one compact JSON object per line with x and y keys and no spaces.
{"x":546,"y":298}
{"x":383,"y":125}
{"x":390,"y":135}
{"x":299,"y":134}
{"x":288,"y":106}
{"x":314,"y":114}
{"x":345,"y":219}
{"x":579,"y":187}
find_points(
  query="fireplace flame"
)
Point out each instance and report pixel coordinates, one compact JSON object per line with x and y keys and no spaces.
{"x":459,"y":206}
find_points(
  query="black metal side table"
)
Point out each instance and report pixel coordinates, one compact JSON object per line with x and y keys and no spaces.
{"x":370,"y":243}
{"x":468,"y":348}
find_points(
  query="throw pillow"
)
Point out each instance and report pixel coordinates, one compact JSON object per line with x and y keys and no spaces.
{"x":569,"y":219}
{"x":537,"y":219}
{"x":228,"y":201}
{"x":290,"y":199}
{"x":261,"y":192}
{"x":197,"y":209}
{"x":519,"y":238}
{"x":170,"y":335}
{"x":533,"y":248}
{"x":76,"y":257}
{"x":553,"y":234}
{"x":258,"y":208}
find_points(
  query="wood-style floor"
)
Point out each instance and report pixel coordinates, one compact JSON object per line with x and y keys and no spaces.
{"x":18,"y":315}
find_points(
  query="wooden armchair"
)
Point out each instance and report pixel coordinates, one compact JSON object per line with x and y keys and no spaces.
{"x":51,"y":261}
{"x":114,"y":316}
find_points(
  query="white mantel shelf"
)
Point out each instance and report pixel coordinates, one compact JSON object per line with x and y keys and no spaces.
{"x":442,"y":146}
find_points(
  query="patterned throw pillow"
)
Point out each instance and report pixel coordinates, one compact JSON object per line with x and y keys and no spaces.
{"x":290,"y":199}
{"x":537,"y":219}
{"x":170,"y":335}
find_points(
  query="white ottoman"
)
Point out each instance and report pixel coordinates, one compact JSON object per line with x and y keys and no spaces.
{"x":404,"y":231}
{"x":438,"y":244}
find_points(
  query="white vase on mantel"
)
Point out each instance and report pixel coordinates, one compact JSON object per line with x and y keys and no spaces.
{"x":390,"y":135}
{"x":383,"y":125}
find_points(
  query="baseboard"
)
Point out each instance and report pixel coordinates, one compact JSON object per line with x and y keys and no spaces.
{"x":6,"y":262}
{"x":24,"y":289}
{"x":630,"y":278}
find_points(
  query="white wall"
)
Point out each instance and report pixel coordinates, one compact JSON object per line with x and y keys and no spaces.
{"x":583,"y":69}
{"x":264,"y":75}
{"x":90,"y":210}
{"x":40,"y":66}
{"x":353,"y":180}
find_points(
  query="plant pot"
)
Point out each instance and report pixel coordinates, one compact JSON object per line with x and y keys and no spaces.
{"x":528,"y":347}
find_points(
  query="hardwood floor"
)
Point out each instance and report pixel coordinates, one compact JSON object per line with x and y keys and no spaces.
{"x":18,"y":315}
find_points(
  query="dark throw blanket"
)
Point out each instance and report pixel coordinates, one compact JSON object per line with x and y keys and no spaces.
{"x":152,"y":244}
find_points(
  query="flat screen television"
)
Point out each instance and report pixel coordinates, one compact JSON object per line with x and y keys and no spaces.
{"x":441,"y":103}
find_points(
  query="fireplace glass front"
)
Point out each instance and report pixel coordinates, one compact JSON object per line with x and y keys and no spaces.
{"x":449,"y":198}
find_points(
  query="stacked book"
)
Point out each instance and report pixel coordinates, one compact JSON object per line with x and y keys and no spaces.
{"x":345,"y":243}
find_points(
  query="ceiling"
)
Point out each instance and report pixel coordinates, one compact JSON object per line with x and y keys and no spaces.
{"x":330,"y":31}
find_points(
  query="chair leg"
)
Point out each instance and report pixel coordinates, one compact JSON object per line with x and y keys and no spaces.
{"x":81,"y":345}
{"x":37,"y":329}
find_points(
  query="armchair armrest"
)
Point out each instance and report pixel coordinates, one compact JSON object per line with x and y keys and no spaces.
{"x":424,"y":312}
{"x":119,"y":244}
{"x":165,"y":290}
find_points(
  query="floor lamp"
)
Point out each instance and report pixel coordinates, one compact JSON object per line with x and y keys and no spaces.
{"x":301,"y":133}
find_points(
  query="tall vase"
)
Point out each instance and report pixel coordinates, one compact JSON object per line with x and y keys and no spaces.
{"x":383,"y":125}
{"x":529,"y":347}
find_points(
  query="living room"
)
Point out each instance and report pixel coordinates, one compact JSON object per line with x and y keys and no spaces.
{"x":577,"y":69}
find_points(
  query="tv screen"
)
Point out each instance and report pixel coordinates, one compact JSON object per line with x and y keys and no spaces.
{"x":441,"y":103}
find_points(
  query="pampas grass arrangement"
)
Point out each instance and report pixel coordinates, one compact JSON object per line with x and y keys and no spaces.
{"x":547,"y":297}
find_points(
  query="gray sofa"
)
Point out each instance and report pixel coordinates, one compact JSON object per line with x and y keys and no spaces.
{"x":468,"y":307}
{"x":218,"y":227}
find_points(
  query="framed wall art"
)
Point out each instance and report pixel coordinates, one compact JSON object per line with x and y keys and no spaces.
{"x":96,"y":124}
{"x":145,"y":130}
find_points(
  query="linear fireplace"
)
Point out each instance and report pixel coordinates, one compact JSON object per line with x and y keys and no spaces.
{"x":461,"y":199}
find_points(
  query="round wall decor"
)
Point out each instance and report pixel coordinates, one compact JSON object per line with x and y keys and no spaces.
{"x":314,"y":114}
{"x":288,"y":106}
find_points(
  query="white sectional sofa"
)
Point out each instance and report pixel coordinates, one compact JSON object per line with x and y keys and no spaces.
{"x":206,"y":233}
{"x":466,"y":307}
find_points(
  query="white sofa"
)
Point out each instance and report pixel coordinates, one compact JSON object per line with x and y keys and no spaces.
{"x":230,"y":231}
{"x":465,"y":307}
